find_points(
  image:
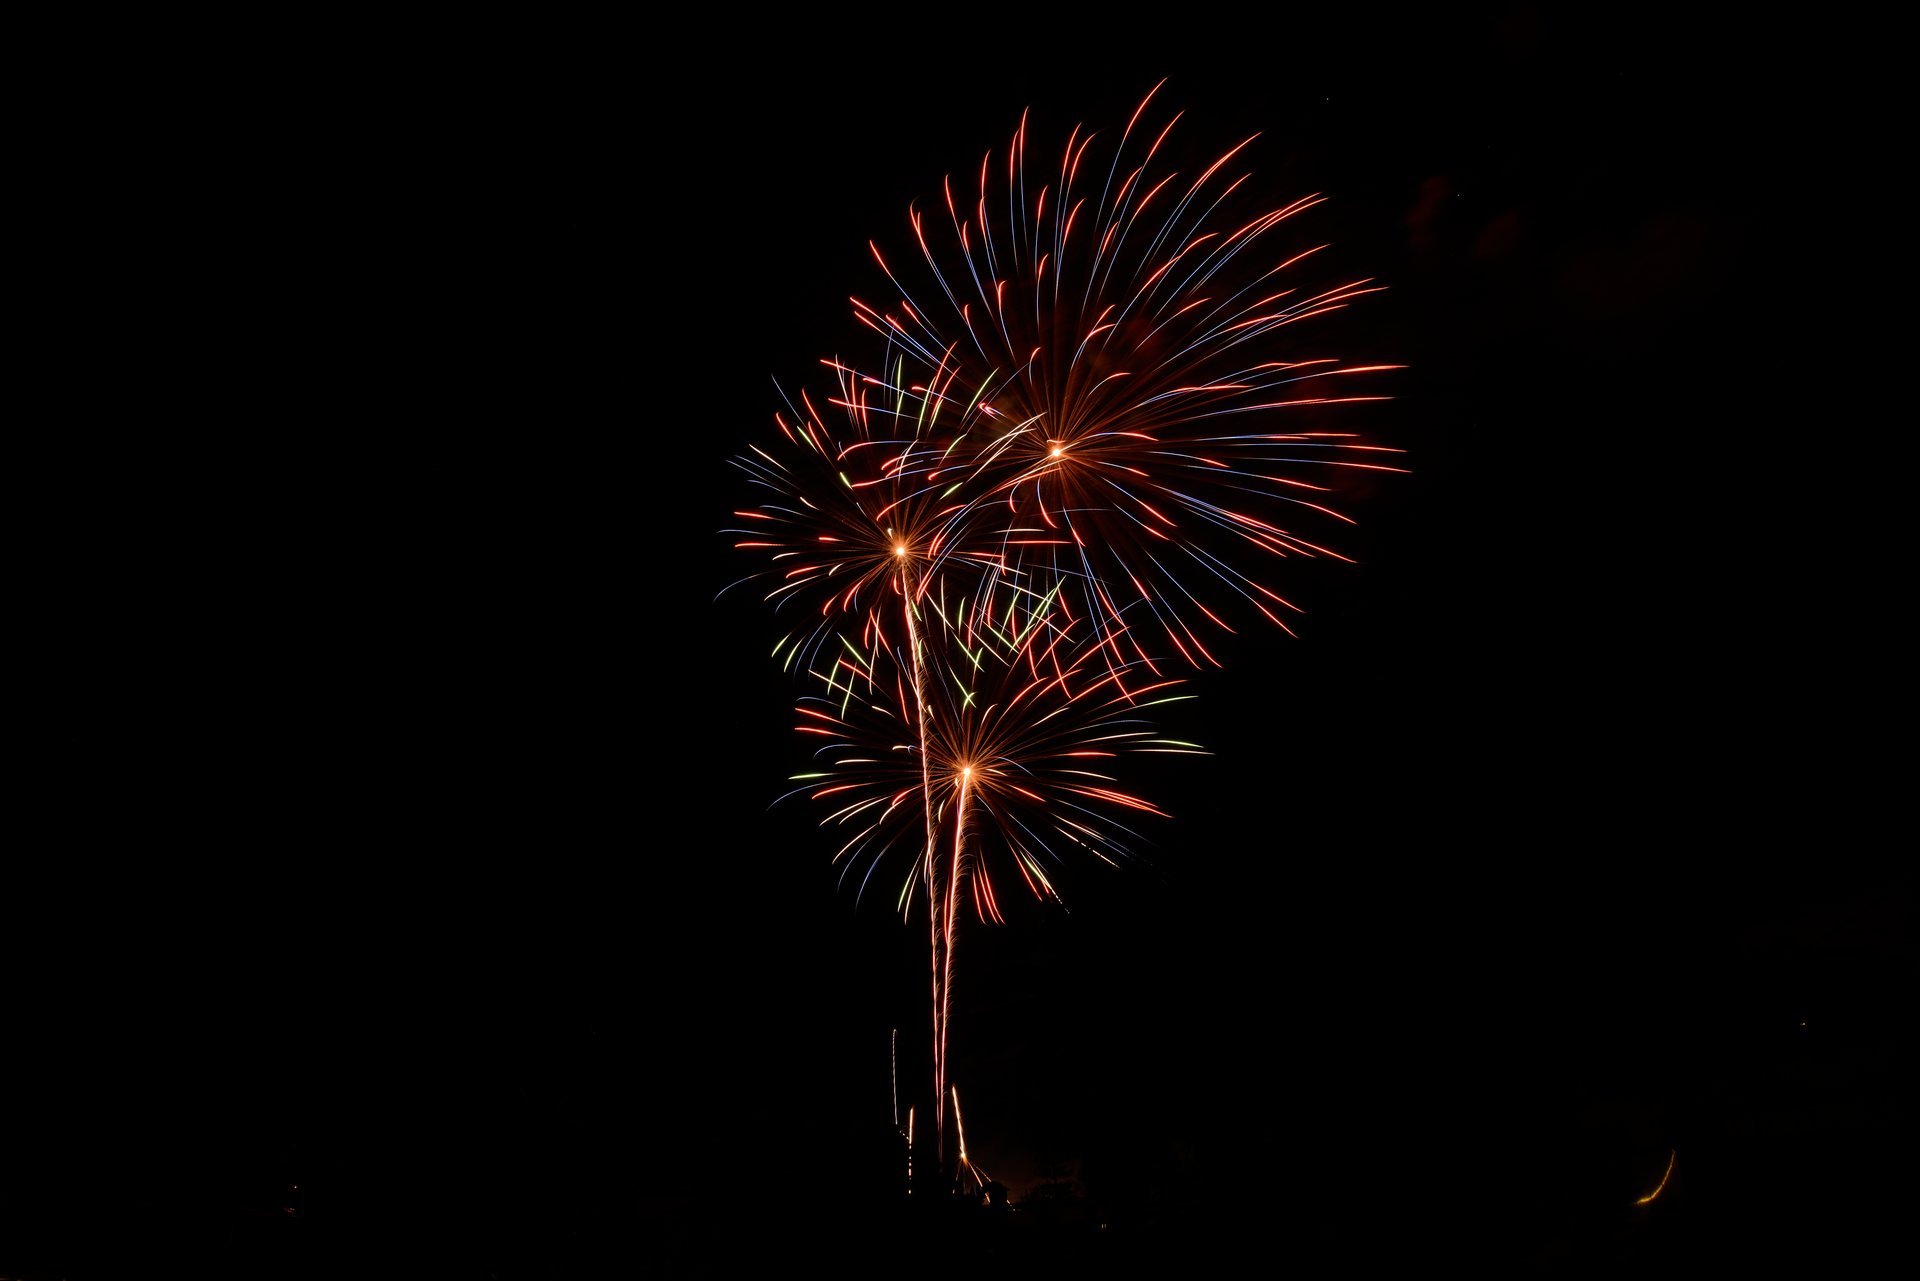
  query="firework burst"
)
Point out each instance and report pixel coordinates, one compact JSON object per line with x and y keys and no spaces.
{"x":1090,"y":437}
{"x":1114,"y":349}
{"x":1016,"y":737}
{"x":857,"y":520}
{"x":996,"y":772}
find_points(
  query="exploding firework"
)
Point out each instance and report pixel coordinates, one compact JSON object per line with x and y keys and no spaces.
{"x":1006,"y":758}
{"x":1115,"y":353}
{"x":858,"y":519}
{"x":1016,"y":738}
{"x":1089,"y":437}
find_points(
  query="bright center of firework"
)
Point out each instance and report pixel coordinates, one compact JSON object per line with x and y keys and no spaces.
{"x":900,"y":549}
{"x":966,"y":771}
{"x":1056,"y":451}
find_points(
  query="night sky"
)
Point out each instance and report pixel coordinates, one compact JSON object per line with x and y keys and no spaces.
{"x":412,"y":835}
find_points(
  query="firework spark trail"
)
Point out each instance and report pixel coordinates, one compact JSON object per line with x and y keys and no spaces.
{"x":1673,"y":1158}
{"x":935,"y":938}
{"x":979,"y":1176}
{"x":1082,"y":459}
{"x":954,"y":878}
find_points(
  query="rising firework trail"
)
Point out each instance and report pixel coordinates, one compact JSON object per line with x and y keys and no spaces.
{"x":967,"y":1168}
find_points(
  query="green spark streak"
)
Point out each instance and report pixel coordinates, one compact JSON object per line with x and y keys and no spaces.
{"x":791,"y":644}
{"x":984,"y":384}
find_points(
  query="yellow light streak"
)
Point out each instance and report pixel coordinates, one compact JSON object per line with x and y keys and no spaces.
{"x":1671,"y":1159}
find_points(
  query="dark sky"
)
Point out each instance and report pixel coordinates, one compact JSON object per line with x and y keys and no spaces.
{"x":424,"y":852}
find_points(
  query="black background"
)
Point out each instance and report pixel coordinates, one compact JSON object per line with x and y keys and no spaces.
{"x":406,"y":828}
